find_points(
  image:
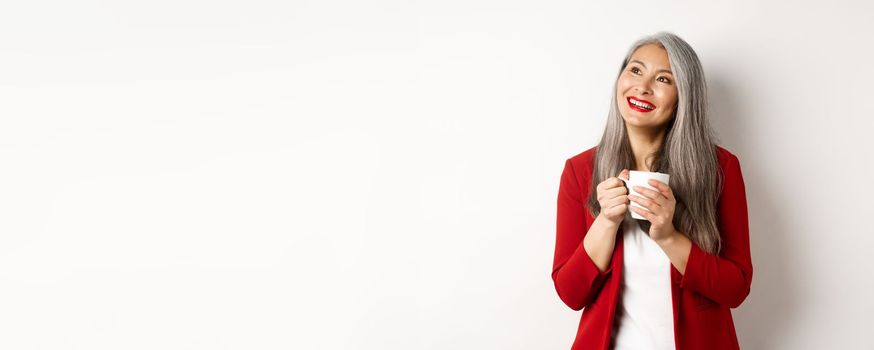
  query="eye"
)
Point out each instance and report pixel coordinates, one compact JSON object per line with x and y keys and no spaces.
{"x":666,"y":80}
{"x":634,"y":70}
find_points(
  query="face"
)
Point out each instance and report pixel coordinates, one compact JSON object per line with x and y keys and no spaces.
{"x":645,"y":91}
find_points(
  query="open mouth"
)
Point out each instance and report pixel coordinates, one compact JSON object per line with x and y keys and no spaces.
{"x":640,"y":105}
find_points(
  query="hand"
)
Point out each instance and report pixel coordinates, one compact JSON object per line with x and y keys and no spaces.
{"x":661,"y":205}
{"x":612,"y":196}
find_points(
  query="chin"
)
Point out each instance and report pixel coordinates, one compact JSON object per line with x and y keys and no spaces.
{"x":636,"y":122}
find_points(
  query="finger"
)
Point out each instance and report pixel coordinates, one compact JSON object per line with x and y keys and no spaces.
{"x":648,"y":215}
{"x":616,"y":192}
{"x":609,"y":183}
{"x":612,"y":185}
{"x":619,"y":182}
{"x":644,"y":202}
{"x":622,"y":208}
{"x":650,"y":194}
{"x":653,"y":208}
{"x":618,"y":208}
{"x":602,"y":186}
{"x":618,"y":200}
{"x":662,"y":187}
{"x":607,"y":205}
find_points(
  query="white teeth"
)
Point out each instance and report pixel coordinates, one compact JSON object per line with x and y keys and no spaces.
{"x":641,"y":104}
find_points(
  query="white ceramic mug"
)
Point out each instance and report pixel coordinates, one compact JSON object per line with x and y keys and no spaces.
{"x":641,"y":178}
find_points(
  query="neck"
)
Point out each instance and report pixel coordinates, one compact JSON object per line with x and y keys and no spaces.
{"x":644,"y":143}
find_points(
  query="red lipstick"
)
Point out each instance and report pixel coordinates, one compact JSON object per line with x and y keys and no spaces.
{"x":637,"y":108}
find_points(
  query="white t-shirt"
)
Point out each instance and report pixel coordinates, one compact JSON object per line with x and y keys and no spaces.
{"x":645,"y":315}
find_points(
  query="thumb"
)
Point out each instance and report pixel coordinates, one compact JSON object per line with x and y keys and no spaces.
{"x":624,"y":174}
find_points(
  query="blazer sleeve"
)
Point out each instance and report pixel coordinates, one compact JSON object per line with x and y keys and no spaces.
{"x":725,"y":278}
{"x":576,"y":277}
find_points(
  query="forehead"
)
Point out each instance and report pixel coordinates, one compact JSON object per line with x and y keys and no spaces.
{"x":652,"y":56}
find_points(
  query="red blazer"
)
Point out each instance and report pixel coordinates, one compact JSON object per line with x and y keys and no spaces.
{"x":702,"y":298}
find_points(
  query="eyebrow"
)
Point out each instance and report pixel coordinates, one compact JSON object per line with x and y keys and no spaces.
{"x":660,"y":70}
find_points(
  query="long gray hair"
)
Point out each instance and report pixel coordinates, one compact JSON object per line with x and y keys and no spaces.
{"x":688,"y":152}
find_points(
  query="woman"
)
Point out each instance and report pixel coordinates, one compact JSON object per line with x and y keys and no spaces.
{"x":667,"y":282}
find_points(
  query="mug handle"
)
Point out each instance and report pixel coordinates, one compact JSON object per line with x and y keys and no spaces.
{"x":625,"y":182}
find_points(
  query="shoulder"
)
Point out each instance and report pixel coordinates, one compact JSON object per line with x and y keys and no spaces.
{"x":726,"y":158}
{"x":732,"y":176}
{"x":583,"y":160}
{"x":586,"y":159}
{"x":582,"y":163}
{"x":578,"y":172}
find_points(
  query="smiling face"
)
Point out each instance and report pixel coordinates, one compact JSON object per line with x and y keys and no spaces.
{"x":645,"y":91}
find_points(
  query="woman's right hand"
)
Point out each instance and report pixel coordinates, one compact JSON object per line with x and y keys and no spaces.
{"x":613,"y":197}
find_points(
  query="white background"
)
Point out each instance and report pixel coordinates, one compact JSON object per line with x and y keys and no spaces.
{"x":383,"y":175}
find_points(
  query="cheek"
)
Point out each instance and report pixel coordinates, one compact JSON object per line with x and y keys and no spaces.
{"x":669,"y":98}
{"x":621,"y":89}
{"x":622,"y":84}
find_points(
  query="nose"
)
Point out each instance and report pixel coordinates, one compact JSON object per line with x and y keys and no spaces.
{"x":643,"y":87}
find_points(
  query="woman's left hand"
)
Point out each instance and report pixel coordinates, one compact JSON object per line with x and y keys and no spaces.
{"x":661,"y":205}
